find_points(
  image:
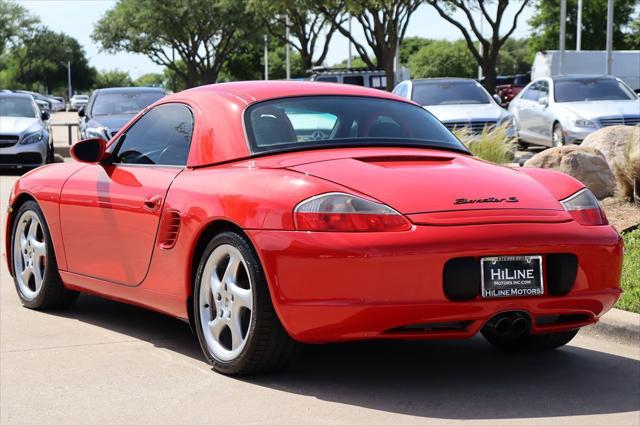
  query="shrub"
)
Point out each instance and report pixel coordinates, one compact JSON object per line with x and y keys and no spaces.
{"x":630,"y":281}
{"x":494,"y":143}
{"x":628,"y":174}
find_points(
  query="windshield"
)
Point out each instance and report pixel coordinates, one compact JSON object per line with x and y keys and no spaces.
{"x":598,"y":89}
{"x":332,"y":121}
{"x":124,"y":103}
{"x":449,"y":93}
{"x":16,"y":107}
{"x":81,"y":97}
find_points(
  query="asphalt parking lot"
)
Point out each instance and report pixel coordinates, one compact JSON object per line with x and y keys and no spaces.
{"x":102,"y":362}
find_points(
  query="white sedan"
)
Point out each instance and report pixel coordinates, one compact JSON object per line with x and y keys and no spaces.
{"x":565,"y":109}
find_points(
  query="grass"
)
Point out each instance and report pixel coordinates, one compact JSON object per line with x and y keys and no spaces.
{"x":493,"y":144}
{"x":630,"y":300}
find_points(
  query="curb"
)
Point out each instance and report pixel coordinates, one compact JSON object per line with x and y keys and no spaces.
{"x":617,"y":325}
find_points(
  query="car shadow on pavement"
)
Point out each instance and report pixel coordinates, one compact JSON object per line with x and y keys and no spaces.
{"x":442,"y":379}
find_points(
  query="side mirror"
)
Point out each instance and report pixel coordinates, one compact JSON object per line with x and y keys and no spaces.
{"x":497,"y":99}
{"x":45,"y":115}
{"x":89,"y":150}
{"x":81,"y":112}
{"x":544,"y":101}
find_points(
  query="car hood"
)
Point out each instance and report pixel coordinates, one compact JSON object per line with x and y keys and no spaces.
{"x":596,"y":109}
{"x":466,"y":112}
{"x":111,"y":122}
{"x":16,"y":125}
{"x":435,"y":182}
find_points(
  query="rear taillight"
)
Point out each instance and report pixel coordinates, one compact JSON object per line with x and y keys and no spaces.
{"x":585,"y":208}
{"x":340,"y":212}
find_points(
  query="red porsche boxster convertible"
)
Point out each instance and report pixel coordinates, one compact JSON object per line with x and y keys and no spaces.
{"x":271,"y":213}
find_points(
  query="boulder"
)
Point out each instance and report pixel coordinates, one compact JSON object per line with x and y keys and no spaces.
{"x":628,"y":173}
{"x":588,"y":165}
{"x":611,"y":141}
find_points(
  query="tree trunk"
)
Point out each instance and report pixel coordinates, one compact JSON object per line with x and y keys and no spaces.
{"x":490,"y":74}
{"x":389,"y":71}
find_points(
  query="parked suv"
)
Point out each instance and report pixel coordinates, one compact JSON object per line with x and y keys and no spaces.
{"x":367,"y":77}
{"x":554,"y":111}
{"x":25,"y":137}
{"x":110,"y":109}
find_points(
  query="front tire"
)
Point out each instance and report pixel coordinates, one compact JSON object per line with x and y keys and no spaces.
{"x":557,"y":136}
{"x":530,"y":342}
{"x":35,"y":270}
{"x":237,"y":326}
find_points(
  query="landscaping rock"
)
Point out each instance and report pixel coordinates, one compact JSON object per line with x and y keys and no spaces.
{"x":588,"y":165}
{"x":611,"y":141}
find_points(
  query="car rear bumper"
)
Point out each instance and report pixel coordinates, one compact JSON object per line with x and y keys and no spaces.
{"x":349,"y":286}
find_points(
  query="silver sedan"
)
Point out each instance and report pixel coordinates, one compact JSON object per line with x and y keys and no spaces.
{"x":25,"y":139}
{"x":458,"y":103}
{"x":565,"y":109}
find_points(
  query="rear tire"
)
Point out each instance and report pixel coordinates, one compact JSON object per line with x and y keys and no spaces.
{"x":237,"y":326}
{"x":35,"y":270}
{"x":530,"y":342}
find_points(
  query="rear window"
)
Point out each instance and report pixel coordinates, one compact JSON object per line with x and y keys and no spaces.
{"x":343,"y":121}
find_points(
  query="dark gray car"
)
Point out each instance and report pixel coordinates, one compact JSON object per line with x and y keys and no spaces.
{"x":110,"y":109}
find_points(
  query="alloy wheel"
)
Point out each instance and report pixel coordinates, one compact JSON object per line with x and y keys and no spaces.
{"x":226,"y":302}
{"x":29,"y":254}
{"x":558,"y":137}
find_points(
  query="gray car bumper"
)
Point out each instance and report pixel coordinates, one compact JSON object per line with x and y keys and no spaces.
{"x":575,"y":135}
{"x":23,"y":156}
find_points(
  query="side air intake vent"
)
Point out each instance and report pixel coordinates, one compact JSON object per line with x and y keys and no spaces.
{"x":169,"y":229}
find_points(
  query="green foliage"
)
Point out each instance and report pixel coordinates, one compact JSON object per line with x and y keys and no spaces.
{"x":493,"y":144}
{"x":150,"y":80}
{"x":356,"y":62}
{"x":443,"y":58}
{"x":113,"y":78}
{"x":630,"y":280}
{"x":310,"y":32}
{"x":41,"y":61}
{"x":247,"y":63}
{"x":515,"y":57}
{"x":410,"y":46}
{"x":546,"y":24}
{"x":201,"y":34}
{"x":16,"y":24}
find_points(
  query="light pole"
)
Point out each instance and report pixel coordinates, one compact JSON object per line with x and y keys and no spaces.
{"x":68,"y":52}
{"x":286,"y":46}
{"x":266,"y":58}
{"x":609,"y":36}
{"x":563,"y":26}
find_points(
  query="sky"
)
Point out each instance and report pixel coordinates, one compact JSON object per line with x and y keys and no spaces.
{"x":77,"y":18}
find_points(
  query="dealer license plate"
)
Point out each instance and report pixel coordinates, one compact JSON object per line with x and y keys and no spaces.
{"x":509,"y":276}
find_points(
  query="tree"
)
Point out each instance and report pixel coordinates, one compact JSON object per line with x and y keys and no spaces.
{"x":515,"y":57}
{"x":305,"y":27}
{"x":42,"y":59}
{"x":383,"y":22}
{"x":150,"y":80}
{"x":113,"y":78}
{"x":200,"y":33}
{"x":487,"y":57}
{"x":410,"y":46}
{"x":16,"y":24}
{"x":443,"y":59}
{"x":546,"y":24}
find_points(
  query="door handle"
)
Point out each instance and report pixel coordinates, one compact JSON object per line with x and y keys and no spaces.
{"x":152,"y":202}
